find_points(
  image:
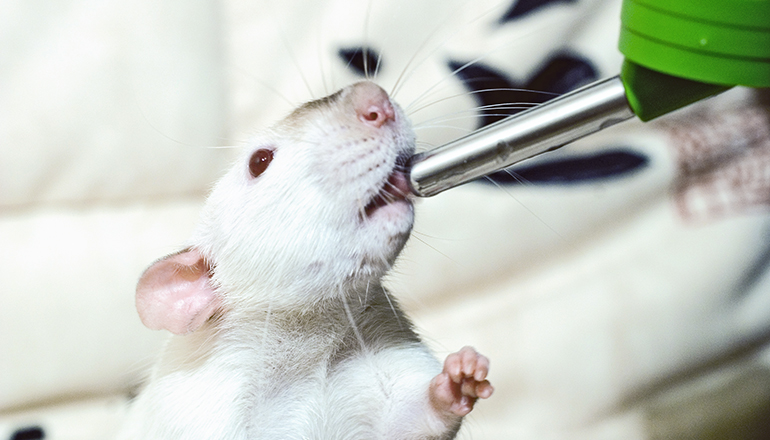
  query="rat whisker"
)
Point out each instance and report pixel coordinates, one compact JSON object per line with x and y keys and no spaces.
{"x":461,"y":115}
{"x":404,"y":78}
{"x":365,"y":53}
{"x":416,"y":237}
{"x":518,"y":177}
{"x":264,"y":84}
{"x":530,"y":211}
{"x":462,"y":130}
{"x":282,"y":34}
{"x":411,"y":112}
{"x":393,"y":308}
{"x":174,"y":140}
{"x":393,"y":193}
{"x":353,"y":324}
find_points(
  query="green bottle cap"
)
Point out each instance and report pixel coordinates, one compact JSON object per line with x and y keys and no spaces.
{"x":723,"y":42}
{"x":651,"y":93}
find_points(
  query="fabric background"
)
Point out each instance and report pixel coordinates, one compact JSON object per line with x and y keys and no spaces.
{"x":619,"y":285}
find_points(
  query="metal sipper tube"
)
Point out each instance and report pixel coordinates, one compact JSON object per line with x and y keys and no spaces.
{"x":527,"y":134}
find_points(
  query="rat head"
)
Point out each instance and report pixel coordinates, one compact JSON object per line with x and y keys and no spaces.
{"x":314,"y":207}
{"x":318,"y":201}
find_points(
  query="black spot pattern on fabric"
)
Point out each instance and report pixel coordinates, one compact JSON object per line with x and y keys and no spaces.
{"x":29,"y":433}
{"x":563,"y":73}
{"x":616,"y":162}
{"x":365,"y":61}
{"x":500,"y":96}
{"x":521,"y":8}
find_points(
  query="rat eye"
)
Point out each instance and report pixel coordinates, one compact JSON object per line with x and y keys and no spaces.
{"x":259,"y":161}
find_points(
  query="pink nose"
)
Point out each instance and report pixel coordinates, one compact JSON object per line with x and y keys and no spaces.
{"x":373,"y":105}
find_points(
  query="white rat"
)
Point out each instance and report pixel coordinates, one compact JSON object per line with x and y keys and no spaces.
{"x":285,"y":329}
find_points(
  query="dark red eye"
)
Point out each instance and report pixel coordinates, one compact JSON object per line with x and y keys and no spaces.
{"x":259,"y":161}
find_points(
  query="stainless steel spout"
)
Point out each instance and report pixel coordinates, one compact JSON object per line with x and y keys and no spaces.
{"x":527,"y":134}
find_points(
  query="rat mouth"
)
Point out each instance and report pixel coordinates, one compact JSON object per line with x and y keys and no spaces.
{"x":394,"y":189}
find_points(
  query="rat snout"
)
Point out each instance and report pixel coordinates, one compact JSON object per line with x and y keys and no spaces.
{"x":372,"y":105}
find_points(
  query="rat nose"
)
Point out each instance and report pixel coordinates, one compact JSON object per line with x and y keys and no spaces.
{"x":373,"y":105}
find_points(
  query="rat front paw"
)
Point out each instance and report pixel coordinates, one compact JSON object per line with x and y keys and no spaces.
{"x":461,"y":383}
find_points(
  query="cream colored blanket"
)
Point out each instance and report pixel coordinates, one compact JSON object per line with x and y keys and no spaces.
{"x":620,"y":286}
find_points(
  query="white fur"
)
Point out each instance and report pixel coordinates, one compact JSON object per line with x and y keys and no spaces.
{"x":296,"y":261}
{"x":379,"y":395}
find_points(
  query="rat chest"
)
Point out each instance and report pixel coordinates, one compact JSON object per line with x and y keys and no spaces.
{"x":287,"y":387}
{"x":304,"y":391}
{"x":310,"y":383}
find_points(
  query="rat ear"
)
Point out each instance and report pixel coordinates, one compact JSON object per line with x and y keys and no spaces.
{"x":175,"y":293}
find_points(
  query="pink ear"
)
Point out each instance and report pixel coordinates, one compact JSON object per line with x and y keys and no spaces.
{"x":175,"y":293}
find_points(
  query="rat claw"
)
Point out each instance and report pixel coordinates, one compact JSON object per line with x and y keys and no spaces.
{"x":484,"y":390}
{"x":482,"y":368}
